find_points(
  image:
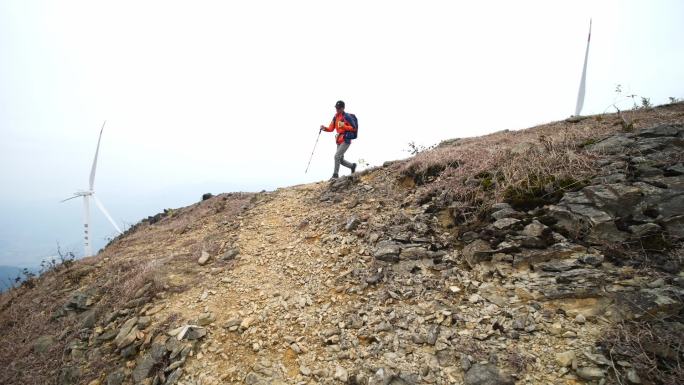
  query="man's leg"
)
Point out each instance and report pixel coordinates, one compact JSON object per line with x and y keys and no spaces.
{"x":342,"y":161}
{"x":339,"y":157}
{"x":345,"y":163}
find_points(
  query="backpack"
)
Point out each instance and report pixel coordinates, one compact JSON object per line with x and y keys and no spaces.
{"x":349,"y":135}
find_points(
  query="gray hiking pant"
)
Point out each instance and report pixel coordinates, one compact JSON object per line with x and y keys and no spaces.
{"x":339,"y":157}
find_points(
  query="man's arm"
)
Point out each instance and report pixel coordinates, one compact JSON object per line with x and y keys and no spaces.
{"x":330,"y":128}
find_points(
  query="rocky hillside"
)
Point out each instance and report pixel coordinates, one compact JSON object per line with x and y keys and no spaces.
{"x":551,"y":255}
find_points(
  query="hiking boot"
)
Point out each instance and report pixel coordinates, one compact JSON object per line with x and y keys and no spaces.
{"x":335,"y":176}
{"x":353,"y":167}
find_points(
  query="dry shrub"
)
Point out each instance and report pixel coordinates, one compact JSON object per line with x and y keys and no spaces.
{"x":653,"y":251}
{"x":655,"y":349}
{"x":22,"y":322}
{"x":127,"y":277}
{"x":503,"y":166}
{"x":527,"y":168}
{"x":146,"y":254}
{"x":519,"y":360}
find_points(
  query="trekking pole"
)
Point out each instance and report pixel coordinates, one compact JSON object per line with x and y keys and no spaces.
{"x":312,"y":152}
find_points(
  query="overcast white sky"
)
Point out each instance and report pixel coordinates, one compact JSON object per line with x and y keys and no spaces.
{"x":222,"y":96}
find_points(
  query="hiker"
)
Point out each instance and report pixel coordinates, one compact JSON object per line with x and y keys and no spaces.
{"x":347,"y":127}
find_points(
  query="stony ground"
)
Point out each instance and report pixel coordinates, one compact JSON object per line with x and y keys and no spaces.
{"x":297,"y":308}
{"x":361,"y":281}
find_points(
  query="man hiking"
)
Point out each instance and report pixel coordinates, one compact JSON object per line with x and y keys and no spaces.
{"x":347,"y":127}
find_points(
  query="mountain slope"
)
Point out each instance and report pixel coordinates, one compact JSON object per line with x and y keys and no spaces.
{"x":515,"y":257}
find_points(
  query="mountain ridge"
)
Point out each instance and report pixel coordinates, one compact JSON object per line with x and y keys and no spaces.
{"x":493,"y":260}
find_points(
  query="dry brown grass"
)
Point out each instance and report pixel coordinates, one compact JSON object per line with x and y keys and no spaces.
{"x":26,"y":315}
{"x":655,"y":349}
{"x":541,"y":161}
{"x":169,"y":245}
{"x":148,"y":254}
{"x":126,"y":278}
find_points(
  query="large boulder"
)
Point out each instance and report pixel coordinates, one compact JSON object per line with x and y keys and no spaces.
{"x":648,"y":146}
{"x":616,"y":144}
{"x":662,"y":130}
{"x":616,"y":199}
{"x":580,"y":220}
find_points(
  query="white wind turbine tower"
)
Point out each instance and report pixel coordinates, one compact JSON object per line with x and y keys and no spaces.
{"x":87,"y":194}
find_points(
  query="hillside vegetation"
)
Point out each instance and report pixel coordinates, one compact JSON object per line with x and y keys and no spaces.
{"x":551,"y":255}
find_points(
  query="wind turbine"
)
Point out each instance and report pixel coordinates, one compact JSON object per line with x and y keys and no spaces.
{"x":583,"y":80}
{"x":90,"y":193}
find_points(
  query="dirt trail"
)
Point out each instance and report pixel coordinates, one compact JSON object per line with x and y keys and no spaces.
{"x":287,"y":311}
{"x":278,"y":269}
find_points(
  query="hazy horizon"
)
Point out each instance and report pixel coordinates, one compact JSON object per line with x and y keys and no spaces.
{"x":222,"y":96}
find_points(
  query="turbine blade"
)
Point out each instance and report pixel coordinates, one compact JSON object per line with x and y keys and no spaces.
{"x":75,"y":196}
{"x":97,"y":150}
{"x":583,"y":80}
{"x":106,"y":213}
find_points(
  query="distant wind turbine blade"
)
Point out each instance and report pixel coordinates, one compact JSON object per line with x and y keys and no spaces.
{"x":75,"y":196}
{"x":106,"y":213}
{"x":580,"y":94}
{"x":97,"y":150}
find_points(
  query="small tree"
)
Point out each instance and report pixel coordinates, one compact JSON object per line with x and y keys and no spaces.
{"x":63,"y":259}
{"x":28,"y":279}
{"x":627,"y":121}
{"x":621,"y":97}
{"x":66,"y":258}
{"x":646,"y":102}
{"x":415,"y":149}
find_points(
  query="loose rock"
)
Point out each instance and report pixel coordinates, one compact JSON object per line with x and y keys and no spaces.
{"x":590,"y":373}
{"x":204,"y":258}
{"x":487,"y":374}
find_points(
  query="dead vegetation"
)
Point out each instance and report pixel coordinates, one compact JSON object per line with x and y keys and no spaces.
{"x":25,"y":315}
{"x":177,"y":236}
{"x":526,"y":168}
{"x":654,"y":348}
{"x":133,"y":268}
